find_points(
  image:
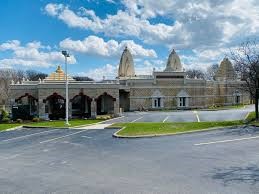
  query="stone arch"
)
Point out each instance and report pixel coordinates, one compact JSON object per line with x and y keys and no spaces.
{"x":237,"y":97}
{"x":105,"y":104}
{"x":81,"y":106}
{"x":55,"y":106}
{"x":26,"y":95}
{"x":25,"y":108}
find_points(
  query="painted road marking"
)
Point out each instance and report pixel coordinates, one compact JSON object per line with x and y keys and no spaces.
{"x":11,"y":157}
{"x":247,"y":115}
{"x":165,"y":119}
{"x":226,"y":141}
{"x":61,"y":137}
{"x":21,"y":137}
{"x":197,"y":116}
{"x":84,"y":136}
{"x":112,"y":119}
{"x":136,"y":119}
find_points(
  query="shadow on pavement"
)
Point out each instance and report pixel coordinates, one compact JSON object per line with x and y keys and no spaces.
{"x":249,"y":174}
{"x":246,"y":130}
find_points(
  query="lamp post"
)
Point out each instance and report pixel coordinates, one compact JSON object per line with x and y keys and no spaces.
{"x":66,"y":55}
{"x":257,"y":91}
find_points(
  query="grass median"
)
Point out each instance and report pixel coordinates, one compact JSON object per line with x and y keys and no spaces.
{"x":61,"y":123}
{"x":152,"y":129}
{"x":5,"y":126}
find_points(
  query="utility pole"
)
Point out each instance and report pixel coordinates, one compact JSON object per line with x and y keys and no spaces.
{"x":257,"y":92}
{"x":66,"y":55}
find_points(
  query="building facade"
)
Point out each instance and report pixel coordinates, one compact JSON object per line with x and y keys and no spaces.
{"x":168,"y":89}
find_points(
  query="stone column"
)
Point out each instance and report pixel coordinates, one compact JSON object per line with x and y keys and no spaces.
{"x":116,"y":107}
{"x":93,"y":108}
{"x":41,"y":111}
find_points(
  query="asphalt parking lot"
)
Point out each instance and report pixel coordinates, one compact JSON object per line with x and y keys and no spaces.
{"x":92,"y":161}
{"x":184,"y":116}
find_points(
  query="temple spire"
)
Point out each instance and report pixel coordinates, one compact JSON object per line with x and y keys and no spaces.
{"x":174,"y":62}
{"x":126,"y":67}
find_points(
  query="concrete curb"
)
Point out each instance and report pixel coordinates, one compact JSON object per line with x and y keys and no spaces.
{"x":101,"y":122}
{"x":170,"y":134}
{"x":247,"y":115}
{"x":75,"y":127}
{"x":12,"y":129}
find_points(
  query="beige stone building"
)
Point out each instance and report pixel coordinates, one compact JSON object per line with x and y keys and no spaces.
{"x":168,"y":89}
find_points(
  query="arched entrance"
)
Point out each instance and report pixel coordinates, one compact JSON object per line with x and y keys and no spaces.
{"x":81,"y":106}
{"x":124,"y":100}
{"x":25,"y":108}
{"x":105,"y":104}
{"x":55,"y":106}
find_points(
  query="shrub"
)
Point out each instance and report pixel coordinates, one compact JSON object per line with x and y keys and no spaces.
{"x":35,"y":119}
{"x":4,"y":114}
{"x":6,"y":120}
{"x":19,"y":121}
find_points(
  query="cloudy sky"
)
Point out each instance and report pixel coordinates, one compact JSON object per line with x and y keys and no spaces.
{"x":95,"y":32}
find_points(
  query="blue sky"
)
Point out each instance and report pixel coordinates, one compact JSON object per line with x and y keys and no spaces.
{"x":95,"y":32}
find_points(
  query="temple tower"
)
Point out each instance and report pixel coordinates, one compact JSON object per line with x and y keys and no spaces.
{"x":174,"y":62}
{"x":126,"y":67}
{"x":225,"y":71}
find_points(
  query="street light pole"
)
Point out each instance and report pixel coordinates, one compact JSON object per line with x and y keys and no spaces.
{"x":66,"y":55}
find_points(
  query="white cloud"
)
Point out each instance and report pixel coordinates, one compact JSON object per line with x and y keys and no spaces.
{"x":97,"y":46}
{"x":123,"y":23}
{"x":53,"y":9}
{"x":108,"y":72}
{"x":111,"y":1}
{"x":194,"y":23}
{"x":33,"y":54}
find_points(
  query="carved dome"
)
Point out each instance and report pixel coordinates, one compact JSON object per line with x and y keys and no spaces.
{"x":174,"y":62}
{"x":225,"y":71}
{"x":58,"y":75}
{"x":126,"y":67}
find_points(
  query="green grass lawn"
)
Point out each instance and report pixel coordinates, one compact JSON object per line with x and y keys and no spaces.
{"x":251,"y":119}
{"x":5,"y":126}
{"x":138,"y":129}
{"x":73,"y":122}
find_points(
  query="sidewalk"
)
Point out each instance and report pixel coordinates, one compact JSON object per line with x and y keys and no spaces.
{"x":97,"y":126}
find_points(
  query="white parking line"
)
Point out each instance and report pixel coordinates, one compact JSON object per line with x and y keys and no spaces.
{"x":136,"y":119}
{"x":165,"y":119}
{"x":112,"y":119}
{"x":10,"y":157}
{"x":21,"y":137}
{"x":84,"y":136}
{"x":61,"y":137}
{"x":226,"y":141}
{"x":197,"y":116}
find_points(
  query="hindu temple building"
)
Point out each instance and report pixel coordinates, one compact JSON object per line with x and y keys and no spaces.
{"x":168,"y":89}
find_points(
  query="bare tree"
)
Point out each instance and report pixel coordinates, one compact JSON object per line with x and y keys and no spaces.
{"x":6,"y":76}
{"x":211,"y":71}
{"x":195,"y":73}
{"x":35,"y":75}
{"x":246,"y":58}
{"x":82,"y":78}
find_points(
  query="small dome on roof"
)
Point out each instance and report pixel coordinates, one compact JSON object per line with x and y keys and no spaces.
{"x":58,"y":75}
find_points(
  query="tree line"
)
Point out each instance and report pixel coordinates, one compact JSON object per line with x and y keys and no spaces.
{"x":9,"y":75}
